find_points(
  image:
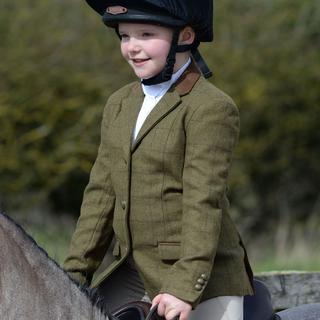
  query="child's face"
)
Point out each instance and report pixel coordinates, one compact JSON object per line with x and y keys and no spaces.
{"x":145,"y":47}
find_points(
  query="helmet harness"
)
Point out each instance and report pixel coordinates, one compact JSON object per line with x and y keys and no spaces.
{"x":150,"y":13}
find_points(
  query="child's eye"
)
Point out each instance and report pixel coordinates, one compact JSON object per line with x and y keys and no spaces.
{"x":123,"y":36}
{"x":147,"y":34}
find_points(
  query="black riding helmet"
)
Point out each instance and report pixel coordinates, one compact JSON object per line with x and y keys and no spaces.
{"x":174,"y":14}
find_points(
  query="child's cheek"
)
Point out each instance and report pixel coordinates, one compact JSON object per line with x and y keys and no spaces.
{"x":124,"y":51}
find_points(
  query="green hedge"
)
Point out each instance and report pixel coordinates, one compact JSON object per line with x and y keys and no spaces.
{"x":59,"y":64}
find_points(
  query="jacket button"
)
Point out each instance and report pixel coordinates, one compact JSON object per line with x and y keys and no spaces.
{"x":204,"y":277}
{"x":123,"y":205}
{"x":198,"y":287}
{"x":201,"y":281}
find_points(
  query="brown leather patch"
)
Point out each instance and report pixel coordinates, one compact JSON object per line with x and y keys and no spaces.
{"x":188,"y":79}
{"x":116,"y":10}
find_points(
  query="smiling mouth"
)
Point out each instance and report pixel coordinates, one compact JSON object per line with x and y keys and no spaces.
{"x":139,"y":61}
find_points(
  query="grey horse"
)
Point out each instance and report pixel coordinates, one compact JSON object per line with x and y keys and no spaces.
{"x":33,"y":286}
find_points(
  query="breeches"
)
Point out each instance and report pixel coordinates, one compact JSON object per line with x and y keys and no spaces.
{"x":125,"y":285}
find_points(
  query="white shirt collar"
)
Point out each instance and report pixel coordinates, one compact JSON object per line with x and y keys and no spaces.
{"x":158,"y":90}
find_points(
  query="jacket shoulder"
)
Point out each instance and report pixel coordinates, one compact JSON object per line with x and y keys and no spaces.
{"x":125,"y":91}
{"x":208,"y":91}
{"x":205,"y":97}
{"x":113,"y":104}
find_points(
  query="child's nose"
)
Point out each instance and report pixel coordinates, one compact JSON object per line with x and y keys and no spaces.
{"x":134,"y":45}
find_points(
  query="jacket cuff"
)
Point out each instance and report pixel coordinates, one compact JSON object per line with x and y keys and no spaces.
{"x":188,"y":291}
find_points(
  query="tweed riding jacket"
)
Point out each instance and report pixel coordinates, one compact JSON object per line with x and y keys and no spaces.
{"x":163,"y":196}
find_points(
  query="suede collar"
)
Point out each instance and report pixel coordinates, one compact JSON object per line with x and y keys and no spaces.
{"x":188,"y":79}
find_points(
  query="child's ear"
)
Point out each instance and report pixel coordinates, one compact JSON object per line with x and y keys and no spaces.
{"x":186,"y":35}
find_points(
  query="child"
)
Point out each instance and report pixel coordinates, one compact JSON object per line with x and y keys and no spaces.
{"x":158,"y":185}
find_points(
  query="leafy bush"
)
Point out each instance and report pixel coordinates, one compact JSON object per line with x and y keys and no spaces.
{"x":59,"y":64}
{"x":267,"y":53}
{"x":57,"y":69}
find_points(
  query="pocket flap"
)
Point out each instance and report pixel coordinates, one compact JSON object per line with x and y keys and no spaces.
{"x":169,"y":250}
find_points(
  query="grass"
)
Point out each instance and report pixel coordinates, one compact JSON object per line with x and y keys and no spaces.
{"x":290,"y":260}
{"x":55,"y":241}
{"x":297,"y":248}
{"x":51,"y":232}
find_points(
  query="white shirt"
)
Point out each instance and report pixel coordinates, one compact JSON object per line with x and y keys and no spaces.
{"x":152,"y":95}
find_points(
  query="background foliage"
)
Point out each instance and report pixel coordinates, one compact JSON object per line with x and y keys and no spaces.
{"x":59,"y":64}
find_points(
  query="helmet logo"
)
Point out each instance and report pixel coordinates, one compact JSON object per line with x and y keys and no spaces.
{"x":116,"y":10}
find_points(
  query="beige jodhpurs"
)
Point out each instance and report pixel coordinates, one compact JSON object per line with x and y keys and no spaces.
{"x":125,"y":285}
{"x":220,"y":308}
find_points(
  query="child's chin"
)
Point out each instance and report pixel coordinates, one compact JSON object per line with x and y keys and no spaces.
{"x":143,"y":75}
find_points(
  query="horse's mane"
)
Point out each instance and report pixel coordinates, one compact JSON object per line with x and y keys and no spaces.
{"x":25,"y":236}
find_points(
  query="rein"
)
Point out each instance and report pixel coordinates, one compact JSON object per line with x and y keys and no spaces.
{"x":137,"y":310}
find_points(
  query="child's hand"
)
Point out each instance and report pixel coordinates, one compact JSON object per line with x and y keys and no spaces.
{"x":171,"y":307}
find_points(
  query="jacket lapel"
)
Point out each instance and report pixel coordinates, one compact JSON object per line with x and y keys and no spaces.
{"x":168,"y":102}
{"x":130,"y":109}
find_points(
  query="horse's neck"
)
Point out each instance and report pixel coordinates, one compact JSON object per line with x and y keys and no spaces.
{"x":32,"y":286}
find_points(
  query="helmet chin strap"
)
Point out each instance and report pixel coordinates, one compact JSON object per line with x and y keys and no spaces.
{"x":167,"y":71}
{"x":206,"y":72}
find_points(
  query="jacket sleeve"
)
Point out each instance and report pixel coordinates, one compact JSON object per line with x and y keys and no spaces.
{"x":93,"y":233}
{"x":211,"y":134}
